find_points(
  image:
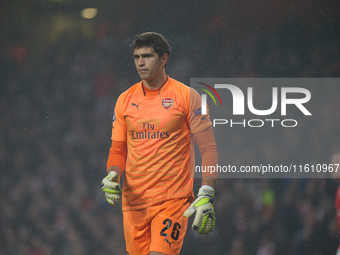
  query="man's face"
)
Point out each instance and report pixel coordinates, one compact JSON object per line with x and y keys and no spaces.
{"x":148,"y":63}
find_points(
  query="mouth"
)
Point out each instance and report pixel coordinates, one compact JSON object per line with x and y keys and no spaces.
{"x":143,"y":70}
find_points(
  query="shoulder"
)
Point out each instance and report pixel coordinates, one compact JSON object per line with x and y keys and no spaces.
{"x":177,"y":85}
{"x":134,"y":89}
{"x":184,"y":89}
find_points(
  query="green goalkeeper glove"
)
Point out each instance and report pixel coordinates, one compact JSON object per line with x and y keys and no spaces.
{"x":204,"y":221}
{"x":111,"y":187}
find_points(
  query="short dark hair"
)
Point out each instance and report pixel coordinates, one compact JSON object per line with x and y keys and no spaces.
{"x":153,"y":40}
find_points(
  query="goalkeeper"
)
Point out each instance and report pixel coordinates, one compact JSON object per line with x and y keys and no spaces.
{"x":155,"y":124}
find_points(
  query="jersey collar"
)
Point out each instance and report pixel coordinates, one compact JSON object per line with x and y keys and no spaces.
{"x":160,"y":89}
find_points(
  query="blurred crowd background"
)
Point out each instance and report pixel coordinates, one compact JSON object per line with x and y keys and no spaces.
{"x":60,"y":76}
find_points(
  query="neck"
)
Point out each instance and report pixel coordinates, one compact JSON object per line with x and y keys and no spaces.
{"x":156,"y":82}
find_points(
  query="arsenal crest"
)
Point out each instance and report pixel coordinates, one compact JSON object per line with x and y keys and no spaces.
{"x":167,"y":103}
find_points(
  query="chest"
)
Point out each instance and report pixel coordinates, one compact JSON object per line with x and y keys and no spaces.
{"x":159,"y":114}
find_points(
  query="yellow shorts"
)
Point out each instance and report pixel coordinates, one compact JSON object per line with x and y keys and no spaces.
{"x":160,"y":228}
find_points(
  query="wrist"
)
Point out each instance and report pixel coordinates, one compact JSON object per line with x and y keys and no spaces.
{"x":209,"y":181}
{"x":115,"y":169}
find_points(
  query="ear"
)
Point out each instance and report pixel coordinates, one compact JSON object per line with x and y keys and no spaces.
{"x":164,"y":58}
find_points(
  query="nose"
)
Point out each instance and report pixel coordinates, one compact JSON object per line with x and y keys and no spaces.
{"x":141,"y":62}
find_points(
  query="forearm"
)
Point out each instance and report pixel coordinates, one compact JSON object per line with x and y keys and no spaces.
{"x":208,"y":148}
{"x":209,"y":158}
{"x":117,"y":157}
